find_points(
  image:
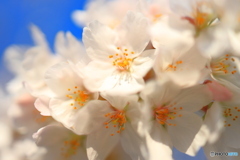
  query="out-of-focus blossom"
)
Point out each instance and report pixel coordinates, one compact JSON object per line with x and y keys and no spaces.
{"x":60,"y":143}
{"x":109,"y":13}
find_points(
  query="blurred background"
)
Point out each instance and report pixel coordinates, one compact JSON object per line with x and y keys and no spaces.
{"x":50,"y":16}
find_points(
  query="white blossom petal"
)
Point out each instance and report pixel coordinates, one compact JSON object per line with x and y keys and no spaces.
{"x":101,"y":143}
{"x":91,"y":117}
{"x":42,"y":105}
{"x":187,"y":126}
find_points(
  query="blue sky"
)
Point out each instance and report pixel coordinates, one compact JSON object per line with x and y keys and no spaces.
{"x":50,"y":16}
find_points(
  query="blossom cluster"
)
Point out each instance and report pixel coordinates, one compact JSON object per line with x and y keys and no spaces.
{"x":147,"y":77}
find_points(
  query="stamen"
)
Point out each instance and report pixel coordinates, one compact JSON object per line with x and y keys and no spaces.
{"x":172,"y":67}
{"x":164,"y":113}
{"x":230,"y":116}
{"x":116,"y":119}
{"x":121,"y":60}
{"x":70,"y":146}
{"x":80,"y":97}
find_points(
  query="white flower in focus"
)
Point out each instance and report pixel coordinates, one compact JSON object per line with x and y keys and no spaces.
{"x":60,"y":143}
{"x":108,"y":123}
{"x":110,"y":13}
{"x":119,"y":61}
{"x":69,"y":96}
{"x":171,"y":110}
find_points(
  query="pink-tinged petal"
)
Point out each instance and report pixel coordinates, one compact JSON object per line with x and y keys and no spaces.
{"x":101,"y":143}
{"x":133,"y":32}
{"x":91,"y":117}
{"x":193,"y":99}
{"x":219,"y":92}
{"x":210,"y":131}
{"x":132,"y":143}
{"x":42,"y":105}
{"x":184,"y":129}
{"x":159,"y":143}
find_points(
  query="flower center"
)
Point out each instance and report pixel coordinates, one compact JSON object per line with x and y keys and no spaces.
{"x":202,"y":17}
{"x":70,"y":146}
{"x":173,"y":67}
{"x":154,"y":12}
{"x":116,"y":119}
{"x":223,"y":66}
{"x":80,"y":97}
{"x":231,"y":114}
{"x":122,"y":59}
{"x":165,"y":113}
